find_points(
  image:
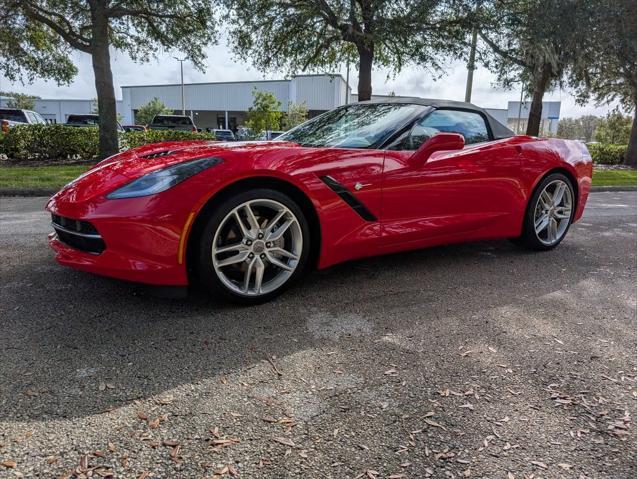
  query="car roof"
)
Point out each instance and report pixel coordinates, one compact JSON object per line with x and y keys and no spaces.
{"x":498,"y":129}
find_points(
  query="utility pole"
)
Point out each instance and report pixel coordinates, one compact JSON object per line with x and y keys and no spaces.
{"x":471,"y":65}
{"x":347,"y":82}
{"x":183,"y":97}
{"x":520,"y":109}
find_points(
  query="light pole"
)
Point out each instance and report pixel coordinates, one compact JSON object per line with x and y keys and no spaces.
{"x":183,"y":97}
{"x":472,"y":65}
{"x":347,"y":82}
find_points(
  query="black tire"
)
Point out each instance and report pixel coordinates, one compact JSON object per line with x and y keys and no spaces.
{"x":204,"y":267}
{"x":529,"y":238}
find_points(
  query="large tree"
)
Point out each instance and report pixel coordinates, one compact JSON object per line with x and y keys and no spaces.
{"x":608,"y":68}
{"x":140,"y":28}
{"x":532,"y":43}
{"x":300,"y":35}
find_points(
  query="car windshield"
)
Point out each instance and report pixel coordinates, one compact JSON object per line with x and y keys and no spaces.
{"x":172,"y":120}
{"x":354,"y":126}
{"x":83,"y":120}
{"x":13,"y":115}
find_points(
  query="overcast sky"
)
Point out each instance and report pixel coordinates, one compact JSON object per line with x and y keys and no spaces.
{"x":221,"y":66}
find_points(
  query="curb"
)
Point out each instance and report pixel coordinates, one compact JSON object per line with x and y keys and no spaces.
{"x":27,"y":192}
{"x":595,"y":189}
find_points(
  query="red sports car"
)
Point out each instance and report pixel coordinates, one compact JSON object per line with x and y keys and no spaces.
{"x":245,"y":219}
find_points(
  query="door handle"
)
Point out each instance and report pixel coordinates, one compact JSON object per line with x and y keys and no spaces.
{"x":359,"y":186}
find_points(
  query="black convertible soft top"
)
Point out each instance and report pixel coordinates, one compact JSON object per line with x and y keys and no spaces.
{"x":498,"y":129}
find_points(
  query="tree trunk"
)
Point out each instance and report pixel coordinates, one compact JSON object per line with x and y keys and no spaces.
{"x":109,"y":144}
{"x":539,"y":88}
{"x":631,"y":153}
{"x":366,"y":59}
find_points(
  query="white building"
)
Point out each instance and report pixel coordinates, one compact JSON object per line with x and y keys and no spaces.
{"x":225,"y":104}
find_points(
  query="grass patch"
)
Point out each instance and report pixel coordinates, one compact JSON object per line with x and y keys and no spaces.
{"x":45,"y":177}
{"x":615,"y":178}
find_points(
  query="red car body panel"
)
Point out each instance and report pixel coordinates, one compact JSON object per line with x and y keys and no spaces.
{"x":479,"y":192}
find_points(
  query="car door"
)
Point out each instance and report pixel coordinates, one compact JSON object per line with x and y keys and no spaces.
{"x":455,"y":195}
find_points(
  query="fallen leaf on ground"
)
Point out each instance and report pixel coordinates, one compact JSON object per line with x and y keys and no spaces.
{"x":539,"y":464}
{"x":435,"y":424}
{"x":9,"y":464}
{"x":285,"y":441}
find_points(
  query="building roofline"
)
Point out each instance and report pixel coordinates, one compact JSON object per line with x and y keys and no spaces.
{"x":238,"y":81}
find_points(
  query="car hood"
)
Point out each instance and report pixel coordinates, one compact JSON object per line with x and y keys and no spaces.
{"x":124,"y":167}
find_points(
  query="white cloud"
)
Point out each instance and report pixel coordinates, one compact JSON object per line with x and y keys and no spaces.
{"x":221,"y":66}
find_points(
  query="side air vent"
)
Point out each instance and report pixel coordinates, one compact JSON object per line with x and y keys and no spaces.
{"x":347,"y":196}
{"x":159,"y":154}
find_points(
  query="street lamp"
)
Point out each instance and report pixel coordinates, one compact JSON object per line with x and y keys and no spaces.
{"x":183,"y":98}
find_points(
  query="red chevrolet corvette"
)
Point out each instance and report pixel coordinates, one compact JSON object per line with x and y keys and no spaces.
{"x":246,"y":219}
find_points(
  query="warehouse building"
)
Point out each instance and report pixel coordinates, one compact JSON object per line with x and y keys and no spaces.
{"x":225,"y":104}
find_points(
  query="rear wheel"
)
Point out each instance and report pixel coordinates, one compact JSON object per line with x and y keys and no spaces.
{"x":549,"y":213}
{"x":254,"y":246}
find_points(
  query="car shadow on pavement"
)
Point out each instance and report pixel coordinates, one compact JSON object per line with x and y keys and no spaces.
{"x":80,"y":344}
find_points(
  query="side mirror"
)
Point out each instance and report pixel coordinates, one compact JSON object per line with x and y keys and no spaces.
{"x":439,"y":142}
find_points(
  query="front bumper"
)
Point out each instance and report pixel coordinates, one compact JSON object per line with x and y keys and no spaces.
{"x":142,"y":238}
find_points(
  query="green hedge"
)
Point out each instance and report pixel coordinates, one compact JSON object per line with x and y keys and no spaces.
{"x":50,"y":143}
{"x":607,"y":154}
{"x":133,"y":139}
{"x":64,"y":144}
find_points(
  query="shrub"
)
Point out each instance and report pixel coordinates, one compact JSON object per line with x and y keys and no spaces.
{"x":132,"y":139}
{"x":604,"y":154}
{"x":50,"y":143}
{"x":64,"y":144}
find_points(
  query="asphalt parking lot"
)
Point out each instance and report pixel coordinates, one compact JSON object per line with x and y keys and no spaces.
{"x":476,"y":360}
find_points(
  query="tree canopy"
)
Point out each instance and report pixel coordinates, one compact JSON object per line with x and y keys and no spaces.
{"x":140,"y":28}
{"x":297,"y":35}
{"x":607,"y":70}
{"x":31,"y":50}
{"x":21,"y":101}
{"x":147,"y":112}
{"x":582,"y":128}
{"x":265,"y":112}
{"x":614,"y":129}
{"x":532,"y":43}
{"x":296,"y":114}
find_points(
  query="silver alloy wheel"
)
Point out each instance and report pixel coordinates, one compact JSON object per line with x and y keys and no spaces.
{"x":553,"y":212}
{"x":257,"y":247}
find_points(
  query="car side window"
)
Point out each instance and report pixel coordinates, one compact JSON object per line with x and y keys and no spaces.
{"x":470,"y":125}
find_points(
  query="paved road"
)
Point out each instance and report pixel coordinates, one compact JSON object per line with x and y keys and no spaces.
{"x":474,"y":360}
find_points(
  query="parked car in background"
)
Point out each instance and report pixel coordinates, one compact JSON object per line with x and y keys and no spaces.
{"x":12,"y":116}
{"x":270,"y":135}
{"x":224,"y":135}
{"x":86,"y":120}
{"x":172,"y":122}
{"x":134,"y":127}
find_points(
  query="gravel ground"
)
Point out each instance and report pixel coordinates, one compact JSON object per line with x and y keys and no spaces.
{"x":478,"y":360}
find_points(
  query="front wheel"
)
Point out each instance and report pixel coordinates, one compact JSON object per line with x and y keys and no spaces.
{"x":549,"y":213}
{"x":254,"y":245}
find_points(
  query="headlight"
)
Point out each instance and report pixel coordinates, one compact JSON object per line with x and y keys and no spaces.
{"x":161,"y":180}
